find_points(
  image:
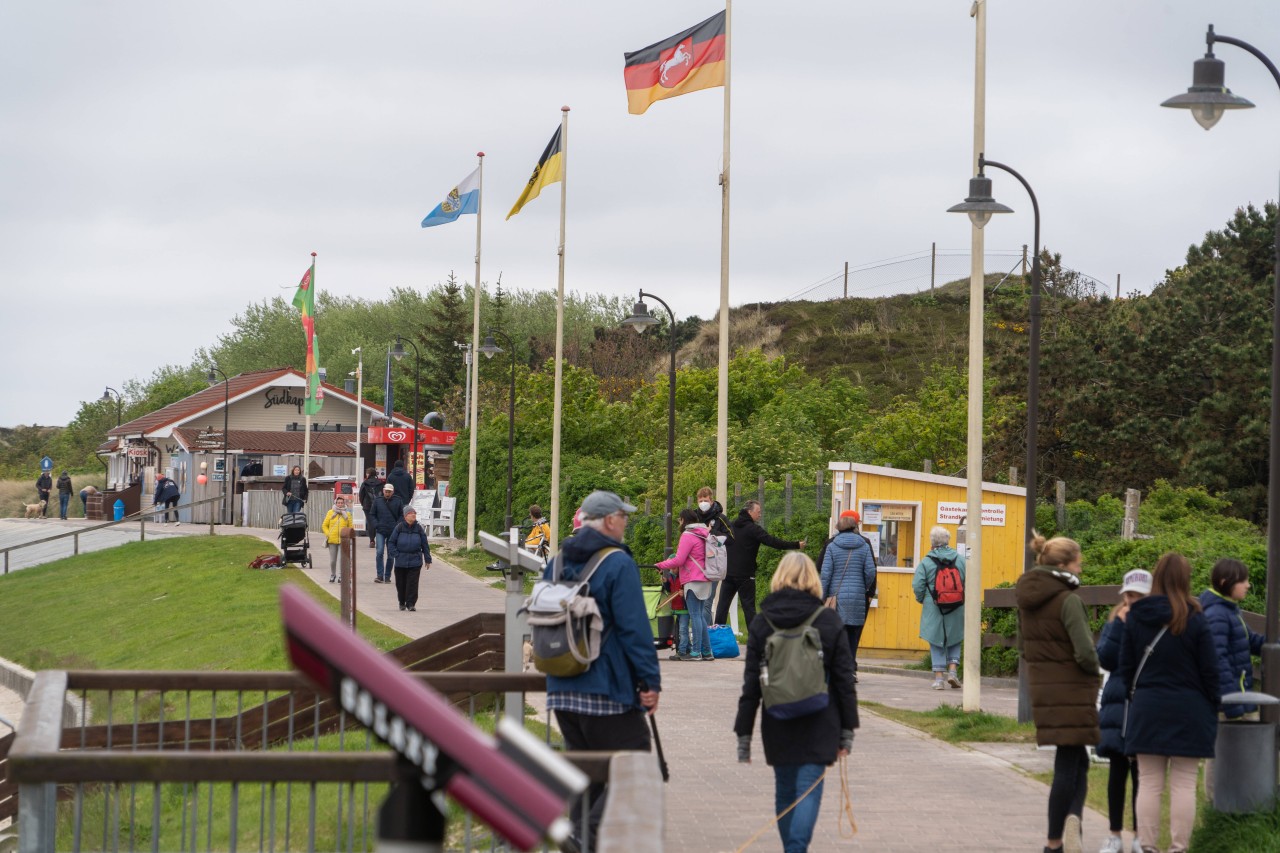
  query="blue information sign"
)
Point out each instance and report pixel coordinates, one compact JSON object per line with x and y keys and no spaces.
{"x":46,"y":464}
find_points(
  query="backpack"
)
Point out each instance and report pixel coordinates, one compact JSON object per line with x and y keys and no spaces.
{"x":947,"y":590}
{"x":564,"y":620}
{"x":793,"y":677}
{"x":716,"y":561}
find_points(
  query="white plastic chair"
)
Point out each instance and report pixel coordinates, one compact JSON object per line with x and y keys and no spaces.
{"x":442,"y":518}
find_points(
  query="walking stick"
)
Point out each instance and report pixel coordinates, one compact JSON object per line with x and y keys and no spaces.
{"x":657,"y":741}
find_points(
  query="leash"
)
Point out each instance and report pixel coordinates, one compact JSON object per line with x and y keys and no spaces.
{"x":846,"y":808}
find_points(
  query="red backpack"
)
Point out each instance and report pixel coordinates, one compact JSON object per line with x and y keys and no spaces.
{"x":947,"y":590}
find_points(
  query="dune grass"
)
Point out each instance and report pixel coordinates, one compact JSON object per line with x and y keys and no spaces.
{"x":953,"y":725}
{"x":16,"y":494}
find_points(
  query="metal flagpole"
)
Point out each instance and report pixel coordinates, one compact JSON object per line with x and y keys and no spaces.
{"x":306,"y":439}
{"x":722,"y":395}
{"x":359,"y":403}
{"x":972,"y":698}
{"x":557,"y":405}
{"x":473,"y":375}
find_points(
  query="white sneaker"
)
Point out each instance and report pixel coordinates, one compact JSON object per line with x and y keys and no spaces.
{"x":939,"y":684}
{"x":1137,"y":845}
{"x":1073,"y":835}
{"x":1115,"y":844}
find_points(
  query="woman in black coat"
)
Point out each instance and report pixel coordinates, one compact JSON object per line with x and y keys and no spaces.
{"x":295,"y":490}
{"x":1173,"y":715}
{"x":801,"y":749}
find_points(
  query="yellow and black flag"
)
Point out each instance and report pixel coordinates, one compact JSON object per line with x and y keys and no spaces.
{"x":686,"y":62}
{"x":550,"y":169}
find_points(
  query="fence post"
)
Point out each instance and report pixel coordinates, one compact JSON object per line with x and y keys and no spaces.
{"x":737,"y":495}
{"x":75,"y":540}
{"x":1060,"y":501}
{"x":1129,"y":527}
{"x":142,"y":528}
{"x":760,"y":491}
{"x":786,"y":498}
{"x":928,"y":466}
{"x":817,"y":493}
{"x":646,"y":507}
{"x":1013,"y":475}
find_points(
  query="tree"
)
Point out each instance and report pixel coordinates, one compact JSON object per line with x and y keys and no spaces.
{"x":446,"y":320}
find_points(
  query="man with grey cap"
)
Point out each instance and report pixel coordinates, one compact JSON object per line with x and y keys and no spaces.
{"x":604,"y":708}
{"x":384,"y":516}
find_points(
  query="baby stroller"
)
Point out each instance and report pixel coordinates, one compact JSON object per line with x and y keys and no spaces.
{"x":293,"y":538}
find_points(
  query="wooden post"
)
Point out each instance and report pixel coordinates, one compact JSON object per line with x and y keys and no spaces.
{"x":817,"y":502}
{"x":1060,"y":502}
{"x":737,"y":495}
{"x":344,"y":566}
{"x":928,"y":466}
{"x":1024,"y":260}
{"x":760,"y":491}
{"x":933,"y":265}
{"x":846,"y":279}
{"x":786,"y":498}
{"x":646,"y":507}
{"x":1013,"y":475}
{"x":1129,"y":527}
{"x":688,"y":502}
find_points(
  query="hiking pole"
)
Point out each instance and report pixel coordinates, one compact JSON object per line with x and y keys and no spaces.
{"x":657,"y":741}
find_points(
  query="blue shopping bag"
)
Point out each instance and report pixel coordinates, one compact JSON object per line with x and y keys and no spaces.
{"x":723,"y":643}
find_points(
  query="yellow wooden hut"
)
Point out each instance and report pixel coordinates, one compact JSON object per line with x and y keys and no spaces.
{"x":898,"y":509}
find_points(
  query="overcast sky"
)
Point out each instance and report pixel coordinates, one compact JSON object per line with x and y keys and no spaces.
{"x":163,"y":165}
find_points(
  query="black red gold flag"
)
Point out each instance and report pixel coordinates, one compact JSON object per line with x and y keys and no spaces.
{"x":686,"y":62}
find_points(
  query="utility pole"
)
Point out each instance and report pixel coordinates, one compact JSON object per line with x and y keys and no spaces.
{"x":846,"y":279}
{"x":933,"y":264}
{"x":1117,"y":285}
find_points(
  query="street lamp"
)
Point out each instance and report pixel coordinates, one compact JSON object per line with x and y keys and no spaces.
{"x":1207,"y":99}
{"x":106,"y":398}
{"x":397,"y":352}
{"x":490,"y":348}
{"x":981,"y":206}
{"x":212,"y":376}
{"x":640,"y":320}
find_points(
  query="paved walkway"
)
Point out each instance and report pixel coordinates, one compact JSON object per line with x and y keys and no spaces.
{"x":16,"y":531}
{"x":909,"y":791}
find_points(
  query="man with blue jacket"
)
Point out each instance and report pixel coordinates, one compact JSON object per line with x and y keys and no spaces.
{"x":384,"y":517}
{"x":605,"y":707}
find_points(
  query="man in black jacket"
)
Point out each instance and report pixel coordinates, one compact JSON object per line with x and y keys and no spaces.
{"x":744,"y":547}
{"x":369,"y":491}
{"x":387,"y":510}
{"x":402,"y":480}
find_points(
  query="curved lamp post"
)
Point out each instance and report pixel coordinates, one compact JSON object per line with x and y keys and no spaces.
{"x":397,"y":352}
{"x":212,"y":376}
{"x":106,"y":398}
{"x":490,"y":348}
{"x":640,"y":320}
{"x":1208,"y":98}
{"x":981,"y":206}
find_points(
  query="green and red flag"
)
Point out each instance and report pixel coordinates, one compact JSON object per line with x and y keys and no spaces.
{"x":686,"y":62}
{"x":305,"y":301}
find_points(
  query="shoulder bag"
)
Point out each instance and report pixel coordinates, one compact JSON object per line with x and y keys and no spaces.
{"x":1128,"y":700}
{"x":830,"y":600}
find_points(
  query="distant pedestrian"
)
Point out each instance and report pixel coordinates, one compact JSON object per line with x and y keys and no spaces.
{"x":402,"y":480}
{"x":167,"y":496}
{"x":748,"y":536}
{"x":337,"y":519}
{"x":44,"y":485}
{"x":539,"y":538}
{"x":1056,"y":645}
{"x":64,"y":494}
{"x":849,"y":575}
{"x":411,"y":555}
{"x":605,"y":707}
{"x":295,"y":490}
{"x":800,"y":749}
{"x":942,"y":631}
{"x":711,"y":513}
{"x":688,"y":562}
{"x":85,"y":494}
{"x":1115,"y":691}
{"x":387,"y":509}
{"x":369,"y":491}
{"x":1171,"y":666}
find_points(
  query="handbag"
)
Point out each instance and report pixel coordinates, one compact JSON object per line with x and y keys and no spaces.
{"x":830,"y":600}
{"x":723,"y":643}
{"x":1124,"y":723}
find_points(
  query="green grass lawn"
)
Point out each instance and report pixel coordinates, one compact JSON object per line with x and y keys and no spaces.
{"x":473,"y":561}
{"x":176,"y":604}
{"x":953,"y":725}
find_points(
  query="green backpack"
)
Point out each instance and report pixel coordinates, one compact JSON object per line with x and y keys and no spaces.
{"x":793,"y":677}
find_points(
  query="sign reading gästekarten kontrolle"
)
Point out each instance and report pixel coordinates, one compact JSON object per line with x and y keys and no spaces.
{"x":954,"y":512}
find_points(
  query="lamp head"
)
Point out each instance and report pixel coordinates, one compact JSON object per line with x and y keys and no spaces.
{"x":490,"y":347}
{"x":979,"y":204}
{"x":106,"y":396}
{"x":212,"y":376}
{"x":1208,"y":97}
{"x":640,"y":318}
{"x":397,"y":351}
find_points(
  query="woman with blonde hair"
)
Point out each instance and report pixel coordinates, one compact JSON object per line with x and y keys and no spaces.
{"x":1056,"y":645}
{"x":801,"y":748}
{"x":1169,"y":661}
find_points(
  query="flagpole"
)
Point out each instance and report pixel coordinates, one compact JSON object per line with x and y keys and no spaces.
{"x":306,"y":439}
{"x":474,"y":367}
{"x":722,"y":396}
{"x":559,"y":367}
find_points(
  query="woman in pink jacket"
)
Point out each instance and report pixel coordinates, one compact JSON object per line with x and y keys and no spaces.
{"x":689,"y":558}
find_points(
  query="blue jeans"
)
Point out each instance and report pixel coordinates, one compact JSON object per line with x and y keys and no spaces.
{"x":64,"y":498}
{"x":944,"y":655}
{"x":701,"y":643}
{"x":293,"y":505}
{"x":682,"y":633}
{"x":381,"y":543}
{"x":789,"y":782}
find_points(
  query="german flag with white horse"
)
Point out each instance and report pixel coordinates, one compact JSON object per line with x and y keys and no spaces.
{"x":686,"y":62}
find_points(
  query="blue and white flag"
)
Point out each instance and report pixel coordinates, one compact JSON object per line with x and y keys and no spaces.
{"x":464,"y":198}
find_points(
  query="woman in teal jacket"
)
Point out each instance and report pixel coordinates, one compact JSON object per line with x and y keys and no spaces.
{"x":942,"y":631}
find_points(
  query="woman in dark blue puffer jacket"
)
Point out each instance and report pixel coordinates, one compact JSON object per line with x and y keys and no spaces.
{"x":1234,"y":642}
{"x":1137,"y":583}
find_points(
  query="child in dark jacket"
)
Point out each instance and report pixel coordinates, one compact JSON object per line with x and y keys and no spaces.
{"x":1137,"y":584}
{"x":1232,"y":639}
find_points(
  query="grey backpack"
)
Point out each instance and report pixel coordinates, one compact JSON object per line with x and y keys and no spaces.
{"x":564,"y":620}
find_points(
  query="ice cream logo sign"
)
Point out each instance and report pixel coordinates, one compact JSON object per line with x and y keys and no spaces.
{"x":954,"y":512}
{"x":397,"y":435}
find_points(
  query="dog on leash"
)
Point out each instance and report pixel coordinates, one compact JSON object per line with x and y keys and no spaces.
{"x":35,"y":510}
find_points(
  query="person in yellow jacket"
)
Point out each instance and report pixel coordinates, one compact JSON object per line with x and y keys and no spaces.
{"x":334,"y":521}
{"x":539,"y":539}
